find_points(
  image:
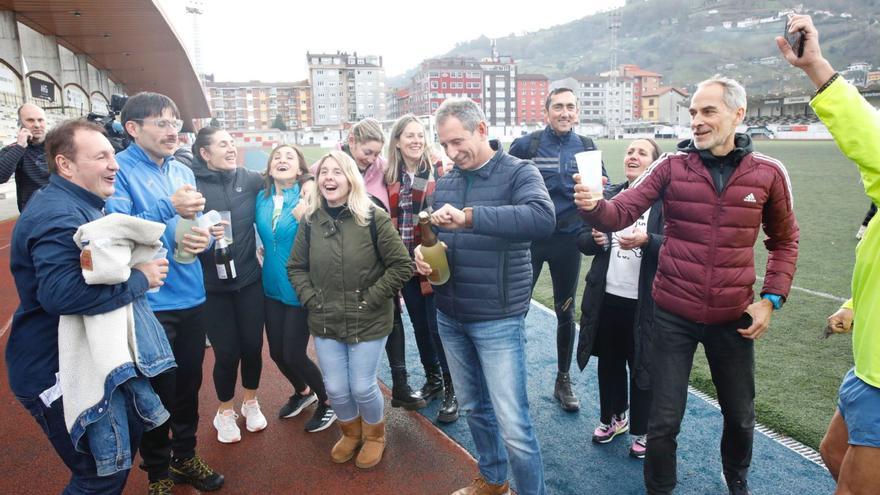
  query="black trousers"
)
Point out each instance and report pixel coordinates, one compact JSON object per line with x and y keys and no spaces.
{"x":235,"y":326}
{"x":732,"y":363}
{"x":616,"y":350}
{"x":395,"y":346}
{"x":287,"y":328}
{"x":178,"y":389}
{"x":561,"y":253}
{"x":423,"y":315}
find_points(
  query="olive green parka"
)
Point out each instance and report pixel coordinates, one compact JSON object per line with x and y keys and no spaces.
{"x":346,"y":282}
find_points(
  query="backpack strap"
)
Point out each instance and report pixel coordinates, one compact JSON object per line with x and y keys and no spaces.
{"x":588,"y":146}
{"x":534,"y":144}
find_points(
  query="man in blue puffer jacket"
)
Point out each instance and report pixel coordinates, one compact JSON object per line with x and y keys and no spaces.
{"x":488,"y":209}
{"x":553,"y":150}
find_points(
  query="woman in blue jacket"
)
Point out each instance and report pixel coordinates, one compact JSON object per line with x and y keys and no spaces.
{"x":279,"y":207}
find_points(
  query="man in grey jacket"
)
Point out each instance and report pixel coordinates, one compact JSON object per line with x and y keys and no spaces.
{"x":488,"y":210}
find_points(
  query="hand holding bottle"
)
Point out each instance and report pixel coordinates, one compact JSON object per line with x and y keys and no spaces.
{"x":197,"y":241}
{"x":187,"y":201}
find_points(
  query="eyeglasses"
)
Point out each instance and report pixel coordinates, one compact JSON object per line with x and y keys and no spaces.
{"x":163,"y":124}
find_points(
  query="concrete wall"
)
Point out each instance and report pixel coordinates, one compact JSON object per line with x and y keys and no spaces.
{"x":10,"y":51}
{"x":41,"y":55}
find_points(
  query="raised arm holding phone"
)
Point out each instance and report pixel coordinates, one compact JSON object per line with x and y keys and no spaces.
{"x":851,"y":447}
{"x":26,"y":157}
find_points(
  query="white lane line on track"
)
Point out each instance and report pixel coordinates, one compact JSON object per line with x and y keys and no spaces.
{"x":797,"y":447}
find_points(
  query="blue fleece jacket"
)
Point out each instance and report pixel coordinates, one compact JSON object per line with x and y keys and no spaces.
{"x":278,"y":243}
{"x":144,"y":189}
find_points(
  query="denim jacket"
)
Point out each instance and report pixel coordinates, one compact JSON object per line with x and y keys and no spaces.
{"x":102,"y":430}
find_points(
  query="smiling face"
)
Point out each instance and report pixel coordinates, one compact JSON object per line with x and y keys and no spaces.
{"x":639,"y":155}
{"x":93,"y":166}
{"x":221,"y":153}
{"x":332,"y":183}
{"x":469,"y":150}
{"x":562,"y":112}
{"x":712,"y":121}
{"x":412,"y":143}
{"x":285,"y":165}
{"x":157,"y":134}
{"x":364,"y":154}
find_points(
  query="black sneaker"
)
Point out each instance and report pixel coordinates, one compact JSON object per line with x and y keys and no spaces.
{"x":322,"y":419}
{"x":738,"y":487}
{"x":296,"y":404}
{"x":160,"y":487}
{"x":195,"y":472}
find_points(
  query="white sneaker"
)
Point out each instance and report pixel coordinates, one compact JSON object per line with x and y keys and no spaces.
{"x":227,"y":429}
{"x":254,"y":419}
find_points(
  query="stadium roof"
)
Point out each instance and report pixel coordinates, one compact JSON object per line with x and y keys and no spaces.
{"x":131,"y":39}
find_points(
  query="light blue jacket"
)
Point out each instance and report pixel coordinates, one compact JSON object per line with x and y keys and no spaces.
{"x":143,"y":189}
{"x":278,"y":243}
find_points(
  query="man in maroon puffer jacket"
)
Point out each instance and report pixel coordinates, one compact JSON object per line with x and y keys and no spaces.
{"x":717,"y":192}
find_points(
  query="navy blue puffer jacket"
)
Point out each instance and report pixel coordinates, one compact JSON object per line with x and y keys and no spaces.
{"x":491,"y":265}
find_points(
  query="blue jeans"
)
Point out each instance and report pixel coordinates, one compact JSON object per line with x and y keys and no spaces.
{"x":83,"y":471}
{"x":350,"y":378}
{"x":488,"y":366}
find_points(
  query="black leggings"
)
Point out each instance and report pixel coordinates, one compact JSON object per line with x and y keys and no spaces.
{"x":287,"y":328}
{"x":561,"y":253}
{"x":234,"y":321}
{"x":615,"y":347}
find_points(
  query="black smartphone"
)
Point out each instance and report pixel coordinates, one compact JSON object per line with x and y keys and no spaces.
{"x":795,"y":40}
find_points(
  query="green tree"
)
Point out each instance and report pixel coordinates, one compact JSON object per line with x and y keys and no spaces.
{"x":214,"y":122}
{"x":278,"y":123}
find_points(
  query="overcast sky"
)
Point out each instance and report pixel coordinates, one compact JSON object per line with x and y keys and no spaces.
{"x":267,"y":40}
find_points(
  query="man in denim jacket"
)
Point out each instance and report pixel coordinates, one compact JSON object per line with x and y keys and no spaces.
{"x":46,"y":265}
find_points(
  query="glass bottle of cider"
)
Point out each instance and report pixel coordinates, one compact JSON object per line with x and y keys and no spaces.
{"x":433,"y":252}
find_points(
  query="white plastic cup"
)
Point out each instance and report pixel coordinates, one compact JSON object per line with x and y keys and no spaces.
{"x":589,"y":165}
{"x":161,"y":254}
{"x":226,"y":220}
{"x":209,"y":219}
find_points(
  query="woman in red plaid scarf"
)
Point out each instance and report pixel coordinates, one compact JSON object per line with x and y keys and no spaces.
{"x":410,"y":175}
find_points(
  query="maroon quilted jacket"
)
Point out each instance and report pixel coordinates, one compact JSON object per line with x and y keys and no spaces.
{"x":707,"y":266}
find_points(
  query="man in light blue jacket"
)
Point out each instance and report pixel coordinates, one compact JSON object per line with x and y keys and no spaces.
{"x":152,"y":185}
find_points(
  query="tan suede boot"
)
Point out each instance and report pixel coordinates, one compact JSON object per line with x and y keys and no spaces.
{"x":346,"y":447}
{"x":374,"y":445}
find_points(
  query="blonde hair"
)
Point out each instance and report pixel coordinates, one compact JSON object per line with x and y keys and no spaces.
{"x":367,"y":130}
{"x":395,"y":157}
{"x":358,"y":200}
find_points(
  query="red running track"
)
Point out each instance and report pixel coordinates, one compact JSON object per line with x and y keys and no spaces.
{"x":282,"y":459}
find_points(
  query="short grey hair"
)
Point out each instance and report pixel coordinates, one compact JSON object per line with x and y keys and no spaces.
{"x":464,"y":109}
{"x":734,"y":94}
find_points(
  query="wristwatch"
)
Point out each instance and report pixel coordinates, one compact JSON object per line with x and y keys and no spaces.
{"x":776,"y":299}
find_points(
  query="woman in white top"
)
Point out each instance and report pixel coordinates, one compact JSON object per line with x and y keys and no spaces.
{"x":617,"y":309}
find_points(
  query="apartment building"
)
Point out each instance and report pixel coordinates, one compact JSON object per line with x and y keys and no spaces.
{"x":441,"y":78}
{"x":255,"y":105}
{"x":346,"y":87}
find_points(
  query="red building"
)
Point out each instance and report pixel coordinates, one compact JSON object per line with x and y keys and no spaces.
{"x":644,"y":81}
{"x":531,"y":93}
{"x":441,"y":78}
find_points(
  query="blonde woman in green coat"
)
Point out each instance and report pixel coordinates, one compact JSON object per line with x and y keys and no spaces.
{"x":347,"y":265}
